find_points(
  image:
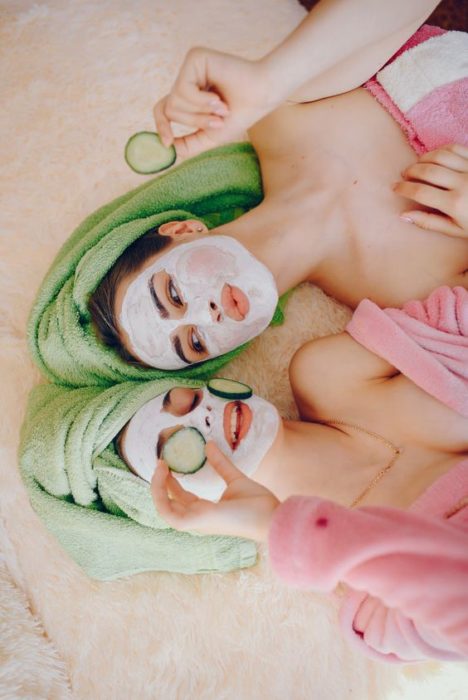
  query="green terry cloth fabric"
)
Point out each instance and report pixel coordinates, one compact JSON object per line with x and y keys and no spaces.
{"x":101,"y":513}
{"x":216,"y":187}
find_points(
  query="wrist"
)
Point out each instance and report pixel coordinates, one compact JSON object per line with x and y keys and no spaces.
{"x":264,"y":524}
{"x":277,"y":78}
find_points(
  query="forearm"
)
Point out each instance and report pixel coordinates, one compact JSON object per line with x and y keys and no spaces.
{"x":340,"y":44}
{"x":383,"y":551}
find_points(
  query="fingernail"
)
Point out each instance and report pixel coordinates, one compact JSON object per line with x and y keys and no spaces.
{"x":215,"y":103}
{"x":221,"y":111}
{"x":407,"y":218}
{"x":215,"y":124}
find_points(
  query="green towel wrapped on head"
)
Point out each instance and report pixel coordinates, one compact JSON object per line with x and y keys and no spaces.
{"x":216,"y":187}
{"x":101,"y":512}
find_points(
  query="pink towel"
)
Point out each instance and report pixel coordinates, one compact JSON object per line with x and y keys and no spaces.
{"x":427,"y":341}
{"x":424,"y":87}
{"x":409,"y":570}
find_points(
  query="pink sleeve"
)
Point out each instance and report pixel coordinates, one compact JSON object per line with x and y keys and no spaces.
{"x":412,"y":563}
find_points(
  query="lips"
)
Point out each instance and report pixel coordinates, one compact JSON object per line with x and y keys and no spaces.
{"x":237,"y":420}
{"x":234,"y":302}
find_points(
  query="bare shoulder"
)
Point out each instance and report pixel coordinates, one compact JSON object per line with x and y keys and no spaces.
{"x":326,"y":374}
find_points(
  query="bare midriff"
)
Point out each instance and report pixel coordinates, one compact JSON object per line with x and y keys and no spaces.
{"x":333,"y":163}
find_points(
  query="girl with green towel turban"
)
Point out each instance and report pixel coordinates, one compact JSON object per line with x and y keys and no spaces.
{"x":214,"y":188}
{"x":100,"y":512}
{"x":318,"y":221}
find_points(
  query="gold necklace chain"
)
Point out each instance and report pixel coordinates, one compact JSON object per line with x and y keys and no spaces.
{"x":396,"y":452}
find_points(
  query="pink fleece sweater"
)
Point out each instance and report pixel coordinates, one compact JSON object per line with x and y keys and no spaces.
{"x":406,"y":572}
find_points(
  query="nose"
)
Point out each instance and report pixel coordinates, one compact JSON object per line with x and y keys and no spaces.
{"x":215,"y":312}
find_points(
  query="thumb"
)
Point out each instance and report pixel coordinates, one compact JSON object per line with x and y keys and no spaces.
{"x":222,"y":464}
{"x":196,"y":143}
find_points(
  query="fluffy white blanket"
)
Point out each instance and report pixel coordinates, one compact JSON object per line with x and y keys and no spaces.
{"x":77,"y":79}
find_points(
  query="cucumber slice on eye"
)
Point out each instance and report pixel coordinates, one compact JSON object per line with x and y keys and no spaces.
{"x":229,"y":389}
{"x":145,"y":153}
{"x":184,"y":451}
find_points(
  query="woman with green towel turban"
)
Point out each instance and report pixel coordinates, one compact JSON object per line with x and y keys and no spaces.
{"x":329,"y":215}
{"x":100,"y":512}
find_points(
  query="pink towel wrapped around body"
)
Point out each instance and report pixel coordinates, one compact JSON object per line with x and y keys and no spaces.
{"x":424,"y":87}
{"x":406,"y":571}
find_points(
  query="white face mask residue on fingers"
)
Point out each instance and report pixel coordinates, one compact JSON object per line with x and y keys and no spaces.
{"x":244,"y":430}
{"x":229,"y":297}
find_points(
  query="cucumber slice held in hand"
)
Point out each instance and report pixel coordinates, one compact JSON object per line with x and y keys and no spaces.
{"x":184,"y":451}
{"x":145,"y":153}
{"x":229,"y":389}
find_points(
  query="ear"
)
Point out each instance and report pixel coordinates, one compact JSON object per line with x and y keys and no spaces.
{"x":179,"y":229}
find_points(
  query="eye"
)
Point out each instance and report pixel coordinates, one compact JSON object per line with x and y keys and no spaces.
{"x":174,"y":294}
{"x":196,"y":400}
{"x":195,"y":342}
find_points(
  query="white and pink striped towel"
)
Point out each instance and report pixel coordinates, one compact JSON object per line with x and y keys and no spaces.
{"x":424,"y":87}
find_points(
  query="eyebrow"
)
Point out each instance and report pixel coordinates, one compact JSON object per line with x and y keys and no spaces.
{"x":163,"y":312}
{"x":159,"y":446}
{"x":177,"y":345}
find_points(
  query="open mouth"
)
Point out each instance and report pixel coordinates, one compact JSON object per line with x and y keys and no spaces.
{"x":234,"y":302}
{"x":237,"y":420}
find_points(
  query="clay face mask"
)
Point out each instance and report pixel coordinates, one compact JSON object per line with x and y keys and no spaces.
{"x":254,"y":420}
{"x":228,"y":297}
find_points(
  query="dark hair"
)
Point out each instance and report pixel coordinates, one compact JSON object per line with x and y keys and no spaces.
{"x":102,"y":302}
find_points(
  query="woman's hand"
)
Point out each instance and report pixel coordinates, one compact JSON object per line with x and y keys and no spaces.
{"x":218,"y":95}
{"x":439,"y":180}
{"x":245,"y":509}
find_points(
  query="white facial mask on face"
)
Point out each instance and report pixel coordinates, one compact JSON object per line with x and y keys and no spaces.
{"x":142,"y":434}
{"x":199,"y":270}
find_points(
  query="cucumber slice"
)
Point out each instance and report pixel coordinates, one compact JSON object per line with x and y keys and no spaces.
{"x":145,"y":153}
{"x":184,"y":451}
{"x":229,"y":389}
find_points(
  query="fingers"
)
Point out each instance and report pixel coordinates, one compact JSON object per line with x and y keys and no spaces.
{"x":193,"y":144}
{"x":454,"y":157}
{"x":178,"y":493}
{"x":202,"y":110}
{"x":222,"y":464}
{"x":424,"y":194}
{"x":432,"y":174}
{"x":170,"y":510}
{"x":163,"y":125}
{"x":166,"y":111}
{"x":191,"y":98}
{"x":434,"y":222}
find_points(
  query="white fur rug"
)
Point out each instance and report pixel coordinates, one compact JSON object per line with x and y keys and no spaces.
{"x":77,"y":79}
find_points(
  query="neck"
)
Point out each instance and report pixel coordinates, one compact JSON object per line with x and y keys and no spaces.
{"x":322,"y":460}
{"x":277,"y":236}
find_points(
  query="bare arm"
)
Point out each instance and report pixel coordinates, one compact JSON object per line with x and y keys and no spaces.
{"x":328,"y":372}
{"x":339,"y":45}
{"x":342,"y":43}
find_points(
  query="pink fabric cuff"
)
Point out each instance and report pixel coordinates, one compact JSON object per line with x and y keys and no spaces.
{"x":425,"y":341}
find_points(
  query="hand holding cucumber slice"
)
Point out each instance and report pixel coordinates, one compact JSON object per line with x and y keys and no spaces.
{"x":145,"y":153}
{"x":184,"y":451}
{"x":229,"y":389}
